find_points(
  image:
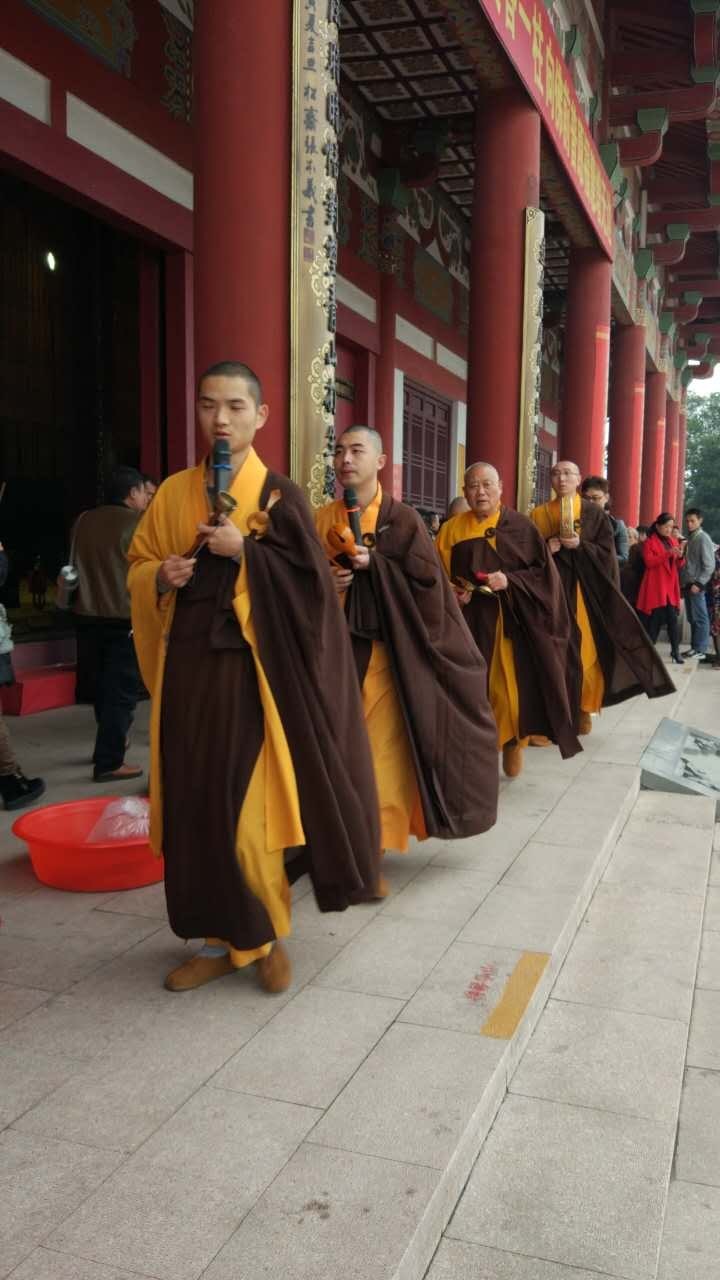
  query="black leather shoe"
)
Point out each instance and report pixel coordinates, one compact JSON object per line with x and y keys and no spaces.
{"x":17,"y":790}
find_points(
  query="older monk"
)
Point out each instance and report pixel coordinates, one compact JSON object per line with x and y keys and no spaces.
{"x":514,"y":605}
{"x":613,"y":656}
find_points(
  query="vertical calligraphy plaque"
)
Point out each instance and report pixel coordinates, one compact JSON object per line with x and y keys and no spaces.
{"x":531,"y":356}
{"x":314,"y":245}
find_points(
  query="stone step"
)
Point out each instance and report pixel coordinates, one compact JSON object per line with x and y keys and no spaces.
{"x":575,"y":1171}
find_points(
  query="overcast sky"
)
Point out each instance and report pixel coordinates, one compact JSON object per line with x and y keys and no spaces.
{"x":704,"y":386}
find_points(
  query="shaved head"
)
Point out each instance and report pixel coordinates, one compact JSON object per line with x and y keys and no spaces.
{"x":458,"y":506}
{"x":483,"y":489}
{"x":373,"y":436}
{"x":486,"y":466}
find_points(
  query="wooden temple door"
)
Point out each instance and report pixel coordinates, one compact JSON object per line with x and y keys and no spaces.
{"x":426,"y":449}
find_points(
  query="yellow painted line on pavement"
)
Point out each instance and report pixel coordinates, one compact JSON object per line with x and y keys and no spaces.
{"x":502,"y":1023}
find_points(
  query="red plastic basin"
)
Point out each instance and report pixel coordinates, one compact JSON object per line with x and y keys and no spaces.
{"x":56,"y":835}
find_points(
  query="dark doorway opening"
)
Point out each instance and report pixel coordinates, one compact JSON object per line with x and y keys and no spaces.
{"x":70,"y":377}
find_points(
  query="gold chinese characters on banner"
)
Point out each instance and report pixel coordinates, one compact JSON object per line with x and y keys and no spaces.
{"x":314,"y":245}
{"x":534,"y":271}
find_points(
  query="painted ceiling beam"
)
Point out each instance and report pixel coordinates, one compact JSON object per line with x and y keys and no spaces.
{"x":693,"y":103}
{"x":697,"y":219}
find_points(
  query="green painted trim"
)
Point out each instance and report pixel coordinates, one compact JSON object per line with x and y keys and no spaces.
{"x":594,"y":108}
{"x":391,"y":192}
{"x":572,"y":43}
{"x":644,"y":264}
{"x":653,"y":120}
{"x":692,"y":298}
{"x":667,"y":322}
{"x":705,"y":6}
{"x":610,"y":156}
{"x":621,"y":192}
{"x":713,"y":199}
{"x":687,"y":376}
{"x":680,"y":359}
{"x":677,"y":231}
{"x":703,"y":339}
{"x":713,"y":150}
{"x":704,"y":75}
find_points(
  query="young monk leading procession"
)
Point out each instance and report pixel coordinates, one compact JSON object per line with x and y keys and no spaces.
{"x":324,"y":690}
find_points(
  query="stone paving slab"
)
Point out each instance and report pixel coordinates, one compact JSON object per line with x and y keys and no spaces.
{"x":360,"y":1098}
{"x":691,"y":1241}
{"x":569,"y":1184}
{"x":456,"y":1260}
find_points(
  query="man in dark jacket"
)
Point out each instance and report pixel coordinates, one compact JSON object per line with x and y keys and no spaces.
{"x":101,"y":540}
{"x":596,"y":489}
{"x":16,"y":790}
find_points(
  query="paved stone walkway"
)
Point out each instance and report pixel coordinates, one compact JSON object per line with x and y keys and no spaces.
{"x":329,"y":1132}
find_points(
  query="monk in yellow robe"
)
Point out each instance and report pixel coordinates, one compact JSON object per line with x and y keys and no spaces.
{"x":422,"y":679}
{"x":613,"y":657}
{"x":249,"y":755}
{"x":513,"y":604}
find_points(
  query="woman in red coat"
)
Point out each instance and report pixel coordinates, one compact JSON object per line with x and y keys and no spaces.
{"x":659,"y":595}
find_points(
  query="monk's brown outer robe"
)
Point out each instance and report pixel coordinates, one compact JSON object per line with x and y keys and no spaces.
{"x":306,"y":656}
{"x":629,"y":660}
{"x":535,"y":619}
{"x":440,"y":676}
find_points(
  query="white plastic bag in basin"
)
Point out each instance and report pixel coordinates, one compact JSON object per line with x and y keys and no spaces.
{"x":122,"y":820}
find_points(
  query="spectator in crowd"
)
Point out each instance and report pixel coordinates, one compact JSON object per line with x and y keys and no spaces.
{"x":713,"y":595}
{"x":102,"y":612}
{"x":16,"y":790}
{"x":658,"y":599}
{"x":631,"y":572}
{"x":595,"y":489}
{"x":698,"y":569}
{"x":458,"y":506}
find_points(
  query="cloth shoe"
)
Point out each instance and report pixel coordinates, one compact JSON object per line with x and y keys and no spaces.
{"x":274,"y":970}
{"x":17,"y":790}
{"x":512,"y":759}
{"x":539,"y":740}
{"x":584,"y":723}
{"x":197,"y":971}
{"x":124,"y":773}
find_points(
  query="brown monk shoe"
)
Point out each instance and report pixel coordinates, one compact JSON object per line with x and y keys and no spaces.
{"x":274,"y":970}
{"x":198,"y":971}
{"x":585,"y":723}
{"x":382,"y":888}
{"x":512,"y":759}
{"x":539,"y":740}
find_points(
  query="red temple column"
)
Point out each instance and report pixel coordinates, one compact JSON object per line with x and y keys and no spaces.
{"x":671,"y":463}
{"x":627,"y":407}
{"x":651,"y":489}
{"x":242,"y":70}
{"x":587,"y":359}
{"x":507,"y":168}
{"x":682,"y":452}
{"x":179,"y":358}
{"x":391,"y":478}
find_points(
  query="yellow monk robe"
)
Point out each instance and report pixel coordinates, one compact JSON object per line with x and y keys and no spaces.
{"x":269,"y":820}
{"x":547,"y":520}
{"x":502,"y":680}
{"x":400,"y":807}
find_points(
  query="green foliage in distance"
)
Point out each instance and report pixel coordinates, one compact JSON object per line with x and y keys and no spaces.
{"x":702,"y":464}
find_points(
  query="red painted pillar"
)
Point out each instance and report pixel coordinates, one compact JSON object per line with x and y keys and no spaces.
{"x":182,"y":450}
{"x":627,"y":407}
{"x":241,"y":120}
{"x":671,"y":463}
{"x":149,"y":337}
{"x":385,"y":385}
{"x":682,"y":452}
{"x":651,"y":489}
{"x":587,"y":359}
{"x":507,"y":165}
